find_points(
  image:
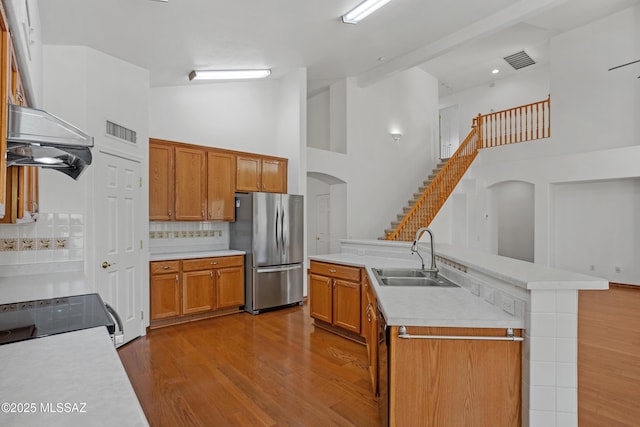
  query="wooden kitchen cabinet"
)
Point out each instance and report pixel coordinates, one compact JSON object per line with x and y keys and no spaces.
{"x":221,"y":186}
{"x":190,"y":184}
{"x":165,"y":290}
{"x":461,"y":382}
{"x":259,"y":173}
{"x":192,"y":289}
{"x":161,"y":177}
{"x":334,"y":295}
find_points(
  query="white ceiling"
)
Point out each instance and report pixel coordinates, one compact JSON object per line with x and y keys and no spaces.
{"x":458,"y":41}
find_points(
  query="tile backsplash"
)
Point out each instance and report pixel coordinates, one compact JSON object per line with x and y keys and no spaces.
{"x":167,"y":236}
{"x":55,"y":237}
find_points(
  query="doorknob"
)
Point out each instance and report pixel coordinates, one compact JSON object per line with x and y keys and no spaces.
{"x":106,"y":264}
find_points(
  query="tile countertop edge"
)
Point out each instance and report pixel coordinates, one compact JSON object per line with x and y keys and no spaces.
{"x":191,"y":255}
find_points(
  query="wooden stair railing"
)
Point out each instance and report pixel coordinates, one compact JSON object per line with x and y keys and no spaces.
{"x":519,"y":124}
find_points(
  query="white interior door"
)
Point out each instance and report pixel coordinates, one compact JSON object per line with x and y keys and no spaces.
{"x":322,"y":224}
{"x":118,"y":239}
{"x":449,"y":135}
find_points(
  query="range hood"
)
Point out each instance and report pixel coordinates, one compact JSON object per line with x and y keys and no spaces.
{"x":37,"y":138}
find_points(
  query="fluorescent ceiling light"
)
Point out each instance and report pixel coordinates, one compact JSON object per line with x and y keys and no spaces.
{"x":228,"y":74}
{"x":361,"y":11}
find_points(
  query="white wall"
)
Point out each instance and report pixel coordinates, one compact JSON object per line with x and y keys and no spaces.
{"x":318,"y":119}
{"x":590,"y":161}
{"x":513,"y":207}
{"x":593,"y":108}
{"x":86,"y":88}
{"x":382,"y":174}
{"x":525,"y":86}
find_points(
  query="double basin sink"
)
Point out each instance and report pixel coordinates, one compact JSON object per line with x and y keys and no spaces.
{"x":411,"y":277}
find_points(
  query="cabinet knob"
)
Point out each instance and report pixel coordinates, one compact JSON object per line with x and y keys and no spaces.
{"x":211,"y":274}
{"x":218,"y":274}
{"x":169,"y":212}
{"x":214,"y":262}
{"x":332,"y":270}
{"x":165,"y":267}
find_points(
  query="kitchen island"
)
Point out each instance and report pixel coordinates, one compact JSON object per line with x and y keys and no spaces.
{"x":494,"y":292}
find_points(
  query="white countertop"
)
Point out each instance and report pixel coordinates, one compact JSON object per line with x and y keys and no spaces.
{"x":166,"y":256}
{"x":426,"y":306}
{"x":71,"y":379}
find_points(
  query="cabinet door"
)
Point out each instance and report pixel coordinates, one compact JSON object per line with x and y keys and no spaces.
{"x":165,"y":296}
{"x":190,"y":184}
{"x":370,"y":331}
{"x":197,"y":292}
{"x":274,"y":176}
{"x":230,"y":287}
{"x":221,"y":186}
{"x":346,"y":305}
{"x":248,"y":174}
{"x":487,"y":373}
{"x":161,"y":185}
{"x":320,"y":297}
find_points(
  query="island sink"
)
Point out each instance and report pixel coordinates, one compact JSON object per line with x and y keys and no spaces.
{"x":411,"y":277}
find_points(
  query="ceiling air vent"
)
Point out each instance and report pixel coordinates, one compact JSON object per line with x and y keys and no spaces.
{"x":519,"y":60}
{"x":121,"y":132}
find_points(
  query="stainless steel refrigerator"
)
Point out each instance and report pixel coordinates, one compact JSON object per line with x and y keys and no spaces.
{"x":269,"y":228}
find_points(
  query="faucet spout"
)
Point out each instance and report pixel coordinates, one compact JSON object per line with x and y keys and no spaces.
{"x":415,"y":249}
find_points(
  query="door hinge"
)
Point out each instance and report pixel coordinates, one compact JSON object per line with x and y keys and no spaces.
{"x":140,"y":244}
{"x":140,"y":182}
{"x":141,"y":315}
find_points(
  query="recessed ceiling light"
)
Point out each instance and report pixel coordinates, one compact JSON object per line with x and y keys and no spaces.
{"x":228,"y":74}
{"x":495,"y":71}
{"x":361,"y":11}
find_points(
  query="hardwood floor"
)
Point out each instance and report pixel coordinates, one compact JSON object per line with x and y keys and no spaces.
{"x":273,"y":369}
{"x":609,"y":357}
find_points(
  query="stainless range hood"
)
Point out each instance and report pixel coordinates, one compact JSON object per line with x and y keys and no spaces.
{"x":37,"y":138}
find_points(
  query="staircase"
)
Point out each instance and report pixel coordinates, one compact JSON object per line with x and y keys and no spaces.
{"x":520,"y":124}
{"x":416,"y":196}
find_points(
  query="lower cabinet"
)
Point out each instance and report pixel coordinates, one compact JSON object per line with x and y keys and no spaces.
{"x":335,"y":297}
{"x":454,"y":382}
{"x":184,"y":290}
{"x":370,"y":330}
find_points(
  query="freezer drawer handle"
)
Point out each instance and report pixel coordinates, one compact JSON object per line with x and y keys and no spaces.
{"x":276,"y":269}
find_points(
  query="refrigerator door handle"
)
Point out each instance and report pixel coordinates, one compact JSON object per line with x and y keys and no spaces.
{"x":277,"y":213}
{"x":276,"y":269}
{"x":284,"y":247}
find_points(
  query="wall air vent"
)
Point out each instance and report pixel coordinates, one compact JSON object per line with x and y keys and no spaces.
{"x":519,"y":60}
{"x":121,"y":132}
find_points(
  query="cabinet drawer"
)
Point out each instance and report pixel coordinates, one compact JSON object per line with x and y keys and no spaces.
{"x":211,"y":263}
{"x":160,"y":267}
{"x":336,"y":270}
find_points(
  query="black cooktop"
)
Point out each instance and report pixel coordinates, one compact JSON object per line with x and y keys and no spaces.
{"x":33,"y":319}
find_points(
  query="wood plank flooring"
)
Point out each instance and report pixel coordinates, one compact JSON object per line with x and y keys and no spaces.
{"x":273,"y":369}
{"x":609,"y":357}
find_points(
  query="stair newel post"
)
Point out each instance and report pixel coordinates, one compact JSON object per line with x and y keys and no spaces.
{"x":478,"y":122}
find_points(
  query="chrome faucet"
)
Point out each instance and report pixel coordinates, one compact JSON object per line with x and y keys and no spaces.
{"x":414,"y":249}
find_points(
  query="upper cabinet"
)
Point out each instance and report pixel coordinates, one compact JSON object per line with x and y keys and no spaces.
{"x":190,"y":184}
{"x":261,"y":173}
{"x":161,"y":168}
{"x":221,"y":185}
{"x":194,"y":183}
